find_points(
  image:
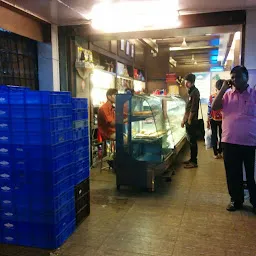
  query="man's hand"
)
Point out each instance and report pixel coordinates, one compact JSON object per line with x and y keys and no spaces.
{"x":208,"y":125}
{"x":225,"y":85}
{"x":182,"y":124}
{"x":189,"y":122}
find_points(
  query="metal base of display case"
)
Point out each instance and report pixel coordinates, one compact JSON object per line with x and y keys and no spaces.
{"x":141,"y":174}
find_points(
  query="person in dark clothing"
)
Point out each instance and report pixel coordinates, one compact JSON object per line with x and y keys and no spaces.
{"x":190,"y":120}
{"x":215,"y":123}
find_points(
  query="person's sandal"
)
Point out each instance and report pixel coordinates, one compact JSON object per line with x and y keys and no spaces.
{"x":187,"y":162}
{"x":190,"y":166}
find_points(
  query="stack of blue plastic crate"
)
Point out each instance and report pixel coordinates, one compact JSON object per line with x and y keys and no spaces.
{"x":81,"y":139}
{"x":37,"y":205}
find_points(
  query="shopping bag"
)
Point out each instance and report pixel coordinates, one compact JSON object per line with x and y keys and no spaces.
{"x":208,"y":139}
{"x":200,"y":131}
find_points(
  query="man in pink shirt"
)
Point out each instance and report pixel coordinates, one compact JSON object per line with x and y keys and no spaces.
{"x":238,"y":135}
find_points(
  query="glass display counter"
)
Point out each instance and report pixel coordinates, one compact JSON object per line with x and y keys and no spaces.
{"x":145,"y":142}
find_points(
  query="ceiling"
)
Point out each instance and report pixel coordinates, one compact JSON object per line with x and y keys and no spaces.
{"x":70,"y":12}
{"x":200,"y":47}
{"x":199,"y":50}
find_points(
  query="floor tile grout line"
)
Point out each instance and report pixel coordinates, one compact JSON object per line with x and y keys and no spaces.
{"x":185,"y":206}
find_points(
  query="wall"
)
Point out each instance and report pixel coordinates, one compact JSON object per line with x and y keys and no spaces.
{"x":157,"y":67}
{"x":48,"y":63}
{"x":250,"y":40}
{"x":18,"y":22}
{"x":250,"y":48}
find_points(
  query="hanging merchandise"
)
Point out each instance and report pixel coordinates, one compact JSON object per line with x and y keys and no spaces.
{"x":180,"y":80}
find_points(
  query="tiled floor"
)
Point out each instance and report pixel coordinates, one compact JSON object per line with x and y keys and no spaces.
{"x":186,"y":217}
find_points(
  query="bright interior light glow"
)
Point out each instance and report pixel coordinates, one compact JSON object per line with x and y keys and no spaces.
{"x":101,"y":79}
{"x":231,"y":54}
{"x":175,"y":48}
{"x":98,"y":96}
{"x":139,"y":86}
{"x":237,"y":35}
{"x":184,"y":43}
{"x":128,"y":16}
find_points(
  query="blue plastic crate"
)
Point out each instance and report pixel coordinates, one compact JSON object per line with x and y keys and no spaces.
{"x":23,"y":195}
{"x":5,"y":124}
{"x":48,"y":125}
{"x":17,"y":111}
{"x":80,"y":114}
{"x":16,"y":233}
{"x":5,"y":151}
{"x":49,"y":178}
{"x":49,"y":164}
{"x":49,"y":151}
{"x":81,"y":144}
{"x":80,"y":133}
{"x":45,"y":236}
{"x":5,"y":137}
{"x":18,"y":124}
{"x":4,"y":111}
{"x":19,"y":137}
{"x":16,"y":96}
{"x":61,"y":98}
{"x":48,"y":111}
{"x":82,"y":175}
{"x":46,"y":97}
{"x":42,"y":190}
{"x":46,"y":212}
{"x":41,"y":210}
{"x":4,"y":94}
{"x":80,"y":155}
{"x":19,"y":151}
{"x":53,"y":138}
{"x":80,"y":124}
{"x":79,"y":103}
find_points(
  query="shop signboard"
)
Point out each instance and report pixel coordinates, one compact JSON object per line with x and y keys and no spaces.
{"x":171,"y":78}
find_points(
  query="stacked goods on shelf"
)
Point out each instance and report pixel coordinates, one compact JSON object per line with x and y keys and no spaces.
{"x":81,"y":139}
{"x":37,"y":204}
{"x":81,"y":158}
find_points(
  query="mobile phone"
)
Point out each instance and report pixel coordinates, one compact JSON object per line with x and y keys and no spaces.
{"x":230,"y":83}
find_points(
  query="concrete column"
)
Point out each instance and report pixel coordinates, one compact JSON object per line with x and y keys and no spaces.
{"x":48,"y":63}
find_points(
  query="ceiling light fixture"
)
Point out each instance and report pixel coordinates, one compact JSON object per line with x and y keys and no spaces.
{"x":193,"y":57}
{"x":195,"y":62}
{"x":129,"y":16}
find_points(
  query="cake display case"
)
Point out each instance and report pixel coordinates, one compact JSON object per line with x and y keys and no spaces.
{"x":146,"y":137}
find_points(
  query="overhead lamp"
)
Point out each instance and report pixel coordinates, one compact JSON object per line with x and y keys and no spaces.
{"x":193,"y":57}
{"x":184,"y":43}
{"x":195,"y":62}
{"x":129,"y":16}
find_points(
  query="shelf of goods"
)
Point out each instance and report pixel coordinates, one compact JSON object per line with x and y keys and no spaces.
{"x":37,"y":180}
{"x":148,"y":143}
